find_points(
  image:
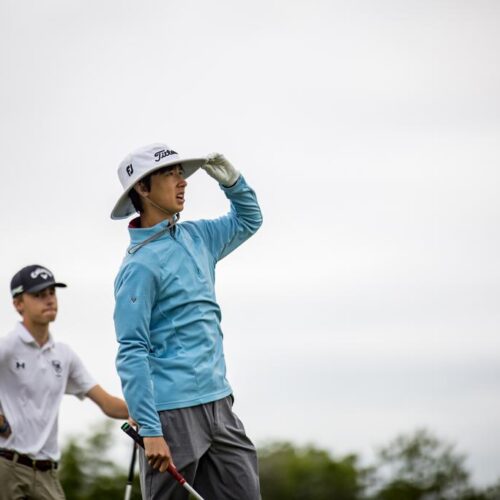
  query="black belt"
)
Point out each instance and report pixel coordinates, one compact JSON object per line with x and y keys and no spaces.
{"x":42,"y":465}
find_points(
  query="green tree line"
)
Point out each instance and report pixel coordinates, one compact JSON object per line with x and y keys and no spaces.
{"x":416,"y":466}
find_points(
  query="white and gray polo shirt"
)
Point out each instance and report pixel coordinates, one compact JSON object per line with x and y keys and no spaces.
{"x":33,"y":380}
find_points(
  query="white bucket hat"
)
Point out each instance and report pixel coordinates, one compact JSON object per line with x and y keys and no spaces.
{"x":142,"y":162}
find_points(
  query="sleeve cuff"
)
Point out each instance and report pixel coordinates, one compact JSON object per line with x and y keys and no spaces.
{"x":150,"y":432}
{"x":83,"y":394}
{"x":234,"y":187}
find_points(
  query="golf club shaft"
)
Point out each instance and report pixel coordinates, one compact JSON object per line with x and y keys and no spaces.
{"x":128,"y":488}
{"x":128,"y":491}
{"x":128,"y":429}
{"x":193,"y":492}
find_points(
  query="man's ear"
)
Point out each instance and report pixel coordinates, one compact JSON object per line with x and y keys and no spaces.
{"x":140,"y":189}
{"x":18,"y":304}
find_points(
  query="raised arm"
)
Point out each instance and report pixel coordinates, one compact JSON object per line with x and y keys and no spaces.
{"x":226,"y":233}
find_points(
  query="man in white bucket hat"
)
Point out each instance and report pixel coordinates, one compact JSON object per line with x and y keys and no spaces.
{"x":167,"y":320}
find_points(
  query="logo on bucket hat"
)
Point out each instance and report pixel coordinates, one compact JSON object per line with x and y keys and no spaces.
{"x":163,"y":153}
{"x":32,"y":279}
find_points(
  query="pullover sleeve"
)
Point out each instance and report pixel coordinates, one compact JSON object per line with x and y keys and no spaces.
{"x":224,"y":234}
{"x":135,"y":295}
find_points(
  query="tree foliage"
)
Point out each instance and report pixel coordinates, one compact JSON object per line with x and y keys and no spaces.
{"x":417,"y":466}
{"x":307,"y":473}
{"x":86,"y":472}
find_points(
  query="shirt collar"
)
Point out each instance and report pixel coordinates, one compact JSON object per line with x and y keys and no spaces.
{"x":27,"y":338}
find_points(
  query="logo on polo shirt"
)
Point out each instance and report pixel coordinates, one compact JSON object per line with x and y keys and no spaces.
{"x":42,"y":272}
{"x":57,"y":367}
{"x":163,"y":153}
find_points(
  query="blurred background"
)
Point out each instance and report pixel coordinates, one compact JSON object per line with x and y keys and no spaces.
{"x":366,"y":307}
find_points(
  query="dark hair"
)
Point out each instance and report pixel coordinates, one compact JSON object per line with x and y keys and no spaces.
{"x":135,"y":197}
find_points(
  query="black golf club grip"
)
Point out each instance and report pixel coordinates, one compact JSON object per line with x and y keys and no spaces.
{"x":128,"y":429}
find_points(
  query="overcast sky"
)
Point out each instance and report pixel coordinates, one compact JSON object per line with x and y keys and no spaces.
{"x":367,"y":304}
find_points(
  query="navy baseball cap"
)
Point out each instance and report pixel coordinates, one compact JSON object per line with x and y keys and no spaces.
{"x":32,"y":279}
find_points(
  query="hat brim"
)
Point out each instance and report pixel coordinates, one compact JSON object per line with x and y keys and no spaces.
{"x":43,"y":286}
{"x":124,"y":207}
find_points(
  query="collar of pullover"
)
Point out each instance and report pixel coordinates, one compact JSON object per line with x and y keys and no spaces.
{"x":140,"y":236}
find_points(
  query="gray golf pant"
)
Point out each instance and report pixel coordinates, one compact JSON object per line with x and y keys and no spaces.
{"x":210,"y":449}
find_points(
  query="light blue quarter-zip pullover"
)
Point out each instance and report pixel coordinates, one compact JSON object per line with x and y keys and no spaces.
{"x":167,"y":319}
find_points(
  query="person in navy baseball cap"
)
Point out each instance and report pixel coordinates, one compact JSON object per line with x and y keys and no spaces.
{"x":36,"y":371}
{"x":32,"y":279}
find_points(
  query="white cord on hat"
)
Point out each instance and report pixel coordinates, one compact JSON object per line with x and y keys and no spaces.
{"x":151,"y":202}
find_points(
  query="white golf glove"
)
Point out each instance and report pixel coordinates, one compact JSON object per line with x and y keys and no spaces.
{"x":221,"y":170}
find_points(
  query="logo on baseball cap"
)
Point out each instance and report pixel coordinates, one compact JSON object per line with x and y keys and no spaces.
{"x":32,"y":279}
